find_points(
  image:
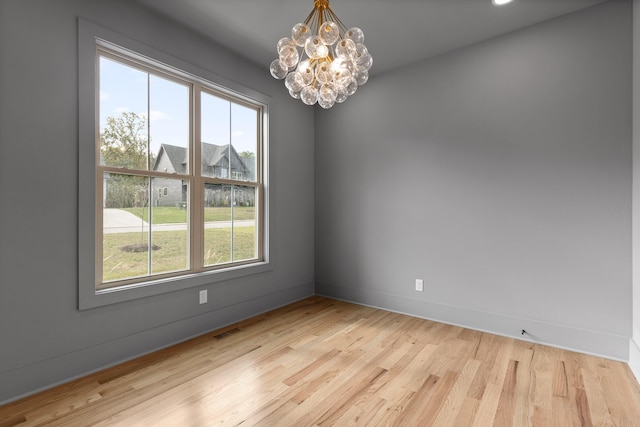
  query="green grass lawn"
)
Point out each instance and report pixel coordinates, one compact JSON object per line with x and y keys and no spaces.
{"x":173,"y":215}
{"x":172,"y":255}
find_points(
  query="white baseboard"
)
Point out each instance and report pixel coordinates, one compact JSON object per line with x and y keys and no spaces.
{"x":634,"y":358}
{"x":610,"y":346}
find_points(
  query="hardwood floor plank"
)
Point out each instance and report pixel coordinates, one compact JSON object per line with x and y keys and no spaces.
{"x":350,"y":397}
{"x":408,"y":373}
{"x":427,"y":410}
{"x":506,"y":405}
{"x":487,"y":352}
{"x":467,"y":412}
{"x":452,"y":406}
{"x":613,"y":393}
{"x":541,"y":399}
{"x":522,"y":392}
{"x":326,"y":362}
{"x":486,"y":413}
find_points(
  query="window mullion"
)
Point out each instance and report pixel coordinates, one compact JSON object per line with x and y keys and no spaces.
{"x":99,"y":206}
{"x":150,"y":227}
{"x":233,"y":196}
{"x":233,"y":225}
{"x":197,"y":190}
{"x":149,"y":182}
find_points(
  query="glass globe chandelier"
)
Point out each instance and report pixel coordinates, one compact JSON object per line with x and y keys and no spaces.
{"x":331,"y":63}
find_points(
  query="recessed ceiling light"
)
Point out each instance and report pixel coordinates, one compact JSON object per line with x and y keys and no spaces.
{"x":500,"y":2}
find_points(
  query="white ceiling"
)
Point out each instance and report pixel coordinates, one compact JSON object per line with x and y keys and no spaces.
{"x":397,"y":32}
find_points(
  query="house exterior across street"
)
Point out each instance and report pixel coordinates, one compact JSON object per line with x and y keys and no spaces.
{"x":218,"y":161}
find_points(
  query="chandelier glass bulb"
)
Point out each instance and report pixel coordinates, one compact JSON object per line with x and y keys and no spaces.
{"x":323,"y":61}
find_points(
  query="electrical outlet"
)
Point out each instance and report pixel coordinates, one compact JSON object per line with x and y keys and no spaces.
{"x":203,"y":296}
{"x":419,"y":285}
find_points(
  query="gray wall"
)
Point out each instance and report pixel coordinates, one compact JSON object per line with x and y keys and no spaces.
{"x":634,"y":347}
{"x":44,"y":339}
{"x":501,"y":175}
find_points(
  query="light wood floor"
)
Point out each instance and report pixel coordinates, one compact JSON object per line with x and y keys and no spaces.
{"x":327,"y":362}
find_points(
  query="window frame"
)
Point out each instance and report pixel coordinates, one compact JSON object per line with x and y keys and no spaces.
{"x":91,"y":38}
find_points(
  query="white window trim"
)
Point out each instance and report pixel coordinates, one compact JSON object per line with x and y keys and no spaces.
{"x":89,"y":36}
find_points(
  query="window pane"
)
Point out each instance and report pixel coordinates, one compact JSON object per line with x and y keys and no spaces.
{"x":169,"y":125}
{"x":129,"y":249}
{"x":244,"y":223}
{"x":169,"y":230}
{"x":244,"y":142}
{"x":215,"y":135}
{"x":218,"y":224}
{"x":123,"y":115}
{"x":125,"y":222}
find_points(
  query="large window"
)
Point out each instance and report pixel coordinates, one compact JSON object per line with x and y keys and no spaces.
{"x":179,"y":167}
{"x":173,"y":173}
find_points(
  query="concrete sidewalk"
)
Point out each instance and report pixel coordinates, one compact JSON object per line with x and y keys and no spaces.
{"x":113,"y":218}
{"x":120,"y":221}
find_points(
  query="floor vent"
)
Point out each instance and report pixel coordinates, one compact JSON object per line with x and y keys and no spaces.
{"x":226,"y":333}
